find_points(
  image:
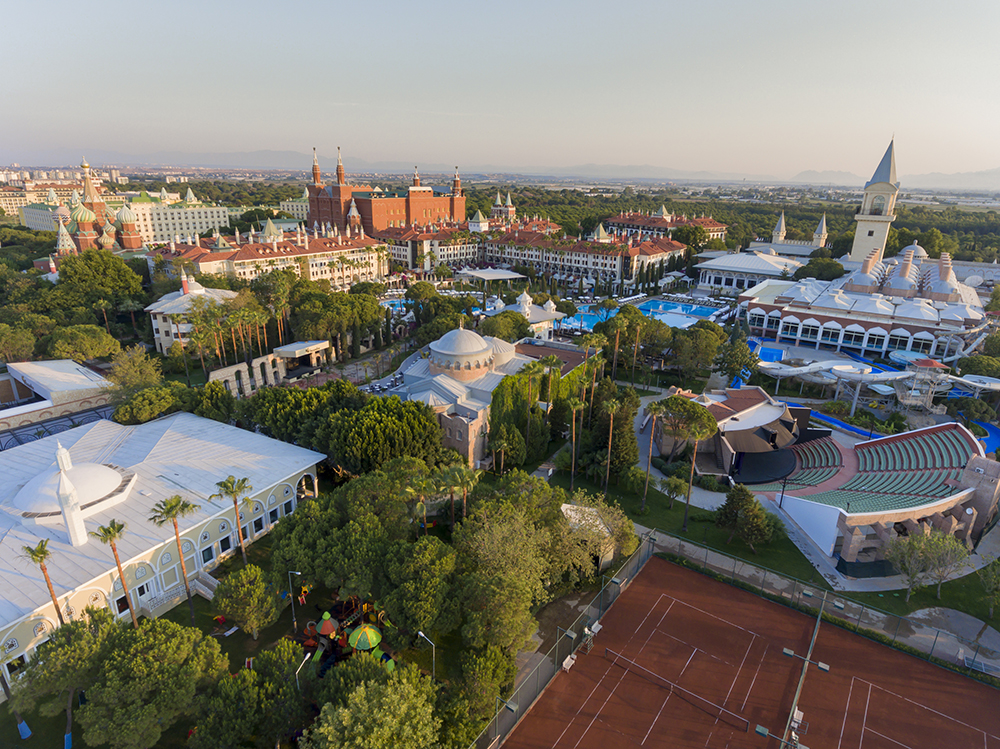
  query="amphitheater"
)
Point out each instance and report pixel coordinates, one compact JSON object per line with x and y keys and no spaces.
{"x":852,"y":501}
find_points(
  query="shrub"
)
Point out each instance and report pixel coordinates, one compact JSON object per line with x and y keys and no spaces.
{"x":680,"y":470}
{"x":835,"y":408}
{"x":710,"y":483}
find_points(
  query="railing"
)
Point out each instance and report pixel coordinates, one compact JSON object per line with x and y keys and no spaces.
{"x":531,"y":686}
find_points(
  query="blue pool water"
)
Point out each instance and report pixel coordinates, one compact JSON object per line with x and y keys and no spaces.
{"x":674,"y":314}
{"x":398,"y":306}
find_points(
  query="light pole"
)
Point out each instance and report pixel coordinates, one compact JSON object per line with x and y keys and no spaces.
{"x":308,"y":656}
{"x":291,"y":594}
{"x":512,"y":706}
{"x":762,"y":731}
{"x":568,"y":633}
{"x":433,"y":655}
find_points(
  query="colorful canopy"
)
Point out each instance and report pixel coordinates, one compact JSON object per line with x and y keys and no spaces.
{"x":329,"y":625}
{"x":365,"y":637}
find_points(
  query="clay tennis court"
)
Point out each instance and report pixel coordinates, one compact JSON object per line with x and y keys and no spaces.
{"x":685,"y":661}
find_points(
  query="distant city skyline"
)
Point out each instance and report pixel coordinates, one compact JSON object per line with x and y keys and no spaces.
{"x":773,"y":88}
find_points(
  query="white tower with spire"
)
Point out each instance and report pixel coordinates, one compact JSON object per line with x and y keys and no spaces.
{"x":876,"y":214}
{"x":820,"y":235}
{"x":778,"y":235}
{"x":69,"y":499}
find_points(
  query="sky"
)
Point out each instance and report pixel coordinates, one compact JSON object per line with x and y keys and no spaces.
{"x":767,"y":87}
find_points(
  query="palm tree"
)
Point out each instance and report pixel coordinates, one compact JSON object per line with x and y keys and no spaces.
{"x":131,"y":306}
{"x":104,"y":305}
{"x":655,"y":410}
{"x":22,"y":727}
{"x":574,"y":405}
{"x":498,"y":444}
{"x":110,"y":535}
{"x":467,"y":480}
{"x":234,"y":489}
{"x":618,"y":324}
{"x":419,"y":489}
{"x":594,"y":365}
{"x":530,"y":370}
{"x":554,"y":364}
{"x":40,"y":555}
{"x":635,"y":351}
{"x":448,"y":481}
{"x":168,"y":511}
{"x":610,"y":407}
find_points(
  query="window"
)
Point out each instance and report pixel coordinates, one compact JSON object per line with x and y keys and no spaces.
{"x":878,"y":206}
{"x":791,"y":330}
{"x":121,"y":605}
{"x":875,"y":342}
{"x":288,"y":508}
{"x":810,"y":332}
{"x":142,"y":590}
{"x":272,"y":516}
{"x":831,"y":335}
{"x":207,"y":555}
{"x":853,"y":339}
{"x":898,"y":342}
{"x":773,"y":323}
{"x":225,"y":545}
{"x":258,"y":525}
{"x":871,"y":232}
{"x":15,"y":665}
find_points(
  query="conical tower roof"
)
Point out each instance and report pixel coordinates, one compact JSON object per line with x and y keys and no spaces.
{"x":271,"y":232}
{"x":886,"y":169}
{"x":780,"y":226}
{"x":64,"y":243}
{"x":821,"y":229}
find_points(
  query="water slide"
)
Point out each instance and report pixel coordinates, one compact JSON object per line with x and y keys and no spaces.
{"x":833,"y":369}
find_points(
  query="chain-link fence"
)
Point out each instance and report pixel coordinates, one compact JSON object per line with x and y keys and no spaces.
{"x":568,"y":640}
{"x":965,"y":656}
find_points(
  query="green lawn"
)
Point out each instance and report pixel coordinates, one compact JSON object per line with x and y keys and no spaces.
{"x":198,"y":377}
{"x":782,"y":556}
{"x":964,"y":594}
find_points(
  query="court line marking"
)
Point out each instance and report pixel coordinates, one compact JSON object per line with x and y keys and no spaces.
{"x":897,"y":743}
{"x":693,"y":652}
{"x":752,"y":683}
{"x":738,"y":672}
{"x":847,"y":709}
{"x":694,"y":647}
{"x":605,"y":675}
{"x":864,"y":721}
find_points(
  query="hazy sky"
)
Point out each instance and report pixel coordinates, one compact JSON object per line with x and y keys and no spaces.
{"x":771,"y":86}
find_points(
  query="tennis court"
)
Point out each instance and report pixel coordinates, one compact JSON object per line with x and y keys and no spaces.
{"x":686,"y":661}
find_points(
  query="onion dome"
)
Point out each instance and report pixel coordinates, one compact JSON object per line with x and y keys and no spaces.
{"x":81,"y":214}
{"x":107,"y":239}
{"x":126,"y":215}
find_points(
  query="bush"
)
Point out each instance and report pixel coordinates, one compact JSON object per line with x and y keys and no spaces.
{"x":659,"y":464}
{"x":710,"y":483}
{"x":978,"y":430}
{"x":835,"y":408}
{"x":680,"y":470}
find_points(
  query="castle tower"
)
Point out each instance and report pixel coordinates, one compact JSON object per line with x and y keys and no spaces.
{"x":876,"y":214}
{"x":456,"y":184}
{"x":128,"y":237}
{"x":778,"y":235}
{"x":416,"y":178}
{"x":820,"y":235}
{"x":341,"y":178}
{"x":91,"y":198}
{"x":317,"y":181}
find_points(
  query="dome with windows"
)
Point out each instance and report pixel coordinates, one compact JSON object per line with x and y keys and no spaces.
{"x":462,"y":354}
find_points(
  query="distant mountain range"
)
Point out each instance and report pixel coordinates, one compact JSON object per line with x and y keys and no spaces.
{"x":983,"y":180}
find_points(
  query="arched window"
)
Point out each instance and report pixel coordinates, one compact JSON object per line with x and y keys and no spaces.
{"x":878,"y":206}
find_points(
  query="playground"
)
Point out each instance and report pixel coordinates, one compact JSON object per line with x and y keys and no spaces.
{"x":682,"y":660}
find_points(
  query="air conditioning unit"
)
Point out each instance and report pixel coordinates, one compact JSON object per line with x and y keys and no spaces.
{"x":980,"y":470}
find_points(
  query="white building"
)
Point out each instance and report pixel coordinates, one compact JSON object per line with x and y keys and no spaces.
{"x":298,"y":208}
{"x":743,"y":270}
{"x":159,"y":221}
{"x":540,"y":318}
{"x":168,"y":312}
{"x":792,"y":247}
{"x":59,"y":489}
{"x":34,"y":391}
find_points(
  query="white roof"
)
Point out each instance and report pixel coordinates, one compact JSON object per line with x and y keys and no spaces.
{"x":460,"y":342}
{"x":490,"y":274}
{"x":752,"y":262}
{"x":300,"y":348}
{"x":178,"y":303}
{"x":178,"y":454}
{"x":56,"y":376}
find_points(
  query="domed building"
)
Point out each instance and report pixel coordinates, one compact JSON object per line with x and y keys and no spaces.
{"x":60,"y":489}
{"x":457,"y":380}
{"x":541,"y":318}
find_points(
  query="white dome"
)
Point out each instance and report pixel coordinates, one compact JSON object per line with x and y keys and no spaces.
{"x":460,"y":342}
{"x":918,"y":251}
{"x":93,"y":481}
{"x":503,"y":351}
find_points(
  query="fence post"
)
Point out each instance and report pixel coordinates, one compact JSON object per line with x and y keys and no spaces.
{"x":857,"y":624}
{"x":899,"y":621}
{"x":763,"y":577}
{"x":937,"y":632}
{"x":706,"y":559}
{"x":795,"y":587}
{"x":975,"y":657}
{"x":735,"y":562}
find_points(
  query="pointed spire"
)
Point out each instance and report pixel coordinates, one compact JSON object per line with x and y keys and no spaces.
{"x":779,"y":230}
{"x":341,"y":178}
{"x":51,"y":198}
{"x":509,"y":204}
{"x":821,"y":229}
{"x":89,"y":191}
{"x":64,"y":243}
{"x":189,"y":197}
{"x":886,"y":169}
{"x":316,"y":174}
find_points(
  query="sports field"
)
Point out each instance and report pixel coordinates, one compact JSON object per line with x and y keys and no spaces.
{"x":685,"y":661}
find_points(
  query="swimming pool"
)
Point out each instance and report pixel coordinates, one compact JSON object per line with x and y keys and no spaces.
{"x":674,"y":314}
{"x":398,"y":306}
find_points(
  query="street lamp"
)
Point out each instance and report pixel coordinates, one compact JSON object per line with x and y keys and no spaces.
{"x":308,"y":656}
{"x":512,"y":706}
{"x":566,"y":633}
{"x":291,"y":594}
{"x":433,"y":655}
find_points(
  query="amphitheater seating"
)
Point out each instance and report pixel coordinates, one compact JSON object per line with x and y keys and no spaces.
{"x":903,"y":471}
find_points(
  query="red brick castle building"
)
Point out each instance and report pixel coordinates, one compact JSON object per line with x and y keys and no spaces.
{"x":344,"y":206}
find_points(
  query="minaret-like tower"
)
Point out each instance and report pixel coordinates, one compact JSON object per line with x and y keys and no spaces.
{"x":876,"y":214}
{"x":456,"y":184}
{"x":317,"y":177}
{"x":778,"y":235}
{"x":416,"y":177}
{"x":820,"y":235}
{"x":341,"y":179}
